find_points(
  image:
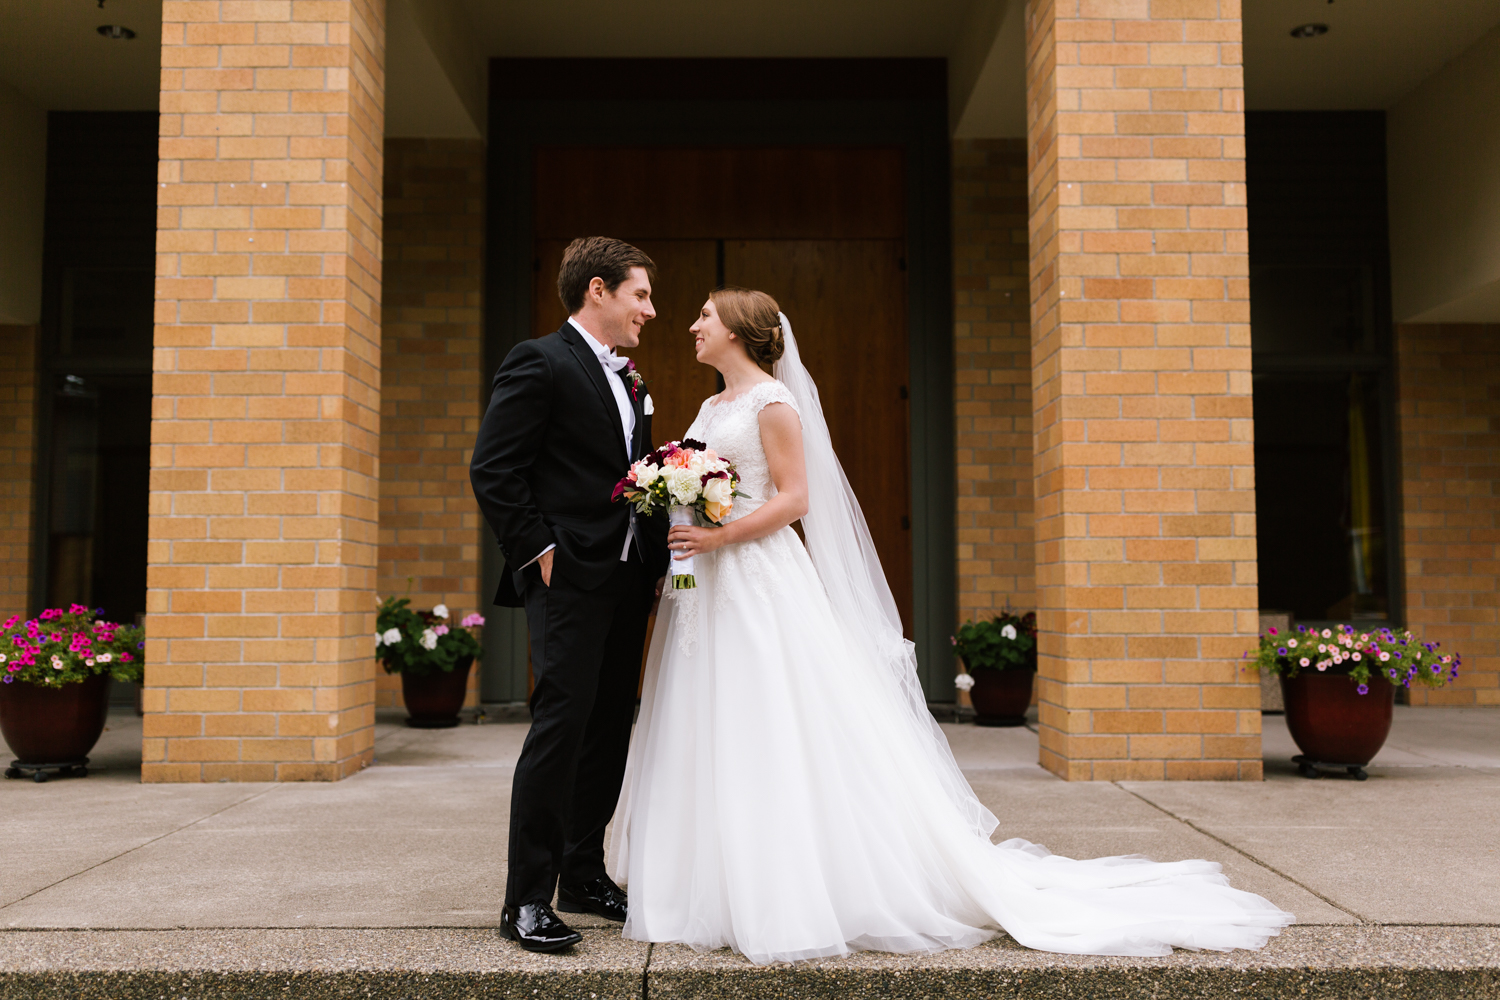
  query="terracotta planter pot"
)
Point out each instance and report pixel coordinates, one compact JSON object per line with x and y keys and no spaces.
{"x":1001,"y":697}
{"x":45,"y":725}
{"x":1332,"y":723}
{"x":433,"y":700}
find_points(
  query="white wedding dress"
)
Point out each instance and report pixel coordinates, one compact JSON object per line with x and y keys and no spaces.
{"x":788,"y":795}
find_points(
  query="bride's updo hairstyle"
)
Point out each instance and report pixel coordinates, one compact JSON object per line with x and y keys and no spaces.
{"x":753,"y":317}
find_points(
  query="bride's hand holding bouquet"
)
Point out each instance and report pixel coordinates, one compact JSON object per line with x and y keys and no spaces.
{"x":688,"y":480}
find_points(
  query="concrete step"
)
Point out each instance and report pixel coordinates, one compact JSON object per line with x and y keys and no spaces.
{"x":1306,"y":962}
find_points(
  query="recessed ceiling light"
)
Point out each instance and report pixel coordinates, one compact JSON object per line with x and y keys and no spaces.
{"x":115,"y":31}
{"x":1309,"y":30}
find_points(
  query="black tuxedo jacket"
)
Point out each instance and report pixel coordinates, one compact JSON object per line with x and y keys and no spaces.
{"x":548,"y":456}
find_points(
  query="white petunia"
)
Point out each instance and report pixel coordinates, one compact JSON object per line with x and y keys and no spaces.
{"x":441,"y":611}
{"x":392,"y":636}
{"x":428,"y":640}
{"x":1008,"y":631}
{"x":963,"y":681}
{"x":104,"y":657}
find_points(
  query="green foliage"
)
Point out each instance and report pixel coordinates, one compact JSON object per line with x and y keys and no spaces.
{"x":1005,"y":642}
{"x":60,"y":647}
{"x":421,"y":642}
{"x":1394,"y":654}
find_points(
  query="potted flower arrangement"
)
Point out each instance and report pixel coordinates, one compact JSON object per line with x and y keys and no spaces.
{"x":1339,"y":684}
{"x":54,"y":685}
{"x":432,"y":658}
{"x":999,"y":658}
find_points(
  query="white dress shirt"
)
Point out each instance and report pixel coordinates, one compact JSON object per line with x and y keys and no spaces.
{"x":611,"y":363}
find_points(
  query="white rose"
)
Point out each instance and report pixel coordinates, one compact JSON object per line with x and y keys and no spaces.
{"x":1008,"y":631}
{"x":718,"y":491}
{"x":698,"y":463}
{"x":684,"y":485}
{"x":428,"y":640}
{"x":441,"y":611}
{"x":963,"y":681}
{"x":645,"y":475}
{"x":392,"y":636}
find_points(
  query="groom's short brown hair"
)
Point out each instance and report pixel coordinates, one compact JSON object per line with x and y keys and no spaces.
{"x":591,"y":257}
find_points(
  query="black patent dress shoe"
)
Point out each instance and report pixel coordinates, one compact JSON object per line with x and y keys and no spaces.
{"x":537,"y":928}
{"x":598,"y":896}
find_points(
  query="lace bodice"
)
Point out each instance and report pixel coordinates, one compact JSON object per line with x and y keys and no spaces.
{"x":742,"y":571}
{"x":733,"y":430}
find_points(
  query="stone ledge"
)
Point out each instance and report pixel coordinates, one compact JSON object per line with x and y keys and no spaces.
{"x":1311,"y":962}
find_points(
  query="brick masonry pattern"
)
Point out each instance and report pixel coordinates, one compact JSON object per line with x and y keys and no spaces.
{"x":1145,"y":503}
{"x":1448,"y":399}
{"x":18,"y":389}
{"x":432,"y":379}
{"x":265,"y":423}
{"x":992,"y":390}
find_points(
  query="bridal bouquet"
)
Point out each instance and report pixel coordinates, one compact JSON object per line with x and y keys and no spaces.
{"x":686,"y":478}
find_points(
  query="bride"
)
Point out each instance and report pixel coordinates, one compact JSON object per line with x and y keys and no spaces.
{"x":788,"y":795}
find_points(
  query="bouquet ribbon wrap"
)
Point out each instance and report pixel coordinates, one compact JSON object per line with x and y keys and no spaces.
{"x":682,"y":569}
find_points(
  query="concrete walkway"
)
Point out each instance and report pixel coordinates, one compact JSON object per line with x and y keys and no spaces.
{"x":399,"y":872}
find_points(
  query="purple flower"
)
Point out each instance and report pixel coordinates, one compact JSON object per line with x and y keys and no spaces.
{"x":1281,"y":651}
{"x":1364,"y":689}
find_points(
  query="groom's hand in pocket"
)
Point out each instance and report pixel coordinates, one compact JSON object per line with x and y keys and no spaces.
{"x":545,"y":565}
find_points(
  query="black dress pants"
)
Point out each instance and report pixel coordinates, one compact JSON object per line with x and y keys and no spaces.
{"x":585,"y":659}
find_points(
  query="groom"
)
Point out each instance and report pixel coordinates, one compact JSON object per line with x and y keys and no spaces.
{"x":566,"y":419}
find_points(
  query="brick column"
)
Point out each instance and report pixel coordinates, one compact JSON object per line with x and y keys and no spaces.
{"x":992,"y":391}
{"x":431,"y":380}
{"x":1448,"y":387}
{"x":18,"y":387}
{"x":1145,"y":523}
{"x":265,"y":430}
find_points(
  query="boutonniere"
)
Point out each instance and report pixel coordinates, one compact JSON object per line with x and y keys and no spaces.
{"x":637,"y":381}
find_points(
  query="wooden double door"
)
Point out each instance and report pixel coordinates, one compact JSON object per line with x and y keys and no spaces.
{"x":820,"y":229}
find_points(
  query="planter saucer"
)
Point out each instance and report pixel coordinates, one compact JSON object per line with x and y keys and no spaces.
{"x":1314,"y":768}
{"x":64,"y":769}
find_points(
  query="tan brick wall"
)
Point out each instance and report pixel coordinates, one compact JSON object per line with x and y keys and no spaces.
{"x":992,"y":391}
{"x":1141,"y":389}
{"x":431,"y":379}
{"x":18,"y":389}
{"x":265,"y":428}
{"x":1448,"y":393}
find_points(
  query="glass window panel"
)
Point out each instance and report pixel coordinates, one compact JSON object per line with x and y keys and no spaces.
{"x":1319,"y":494}
{"x":107,"y":312}
{"x":1311,"y":310}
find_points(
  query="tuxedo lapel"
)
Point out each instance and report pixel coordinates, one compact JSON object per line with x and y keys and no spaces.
{"x":595,"y":372}
{"x":641,"y":441}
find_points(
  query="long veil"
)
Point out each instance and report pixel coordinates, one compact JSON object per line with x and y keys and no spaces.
{"x":838,"y":540}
